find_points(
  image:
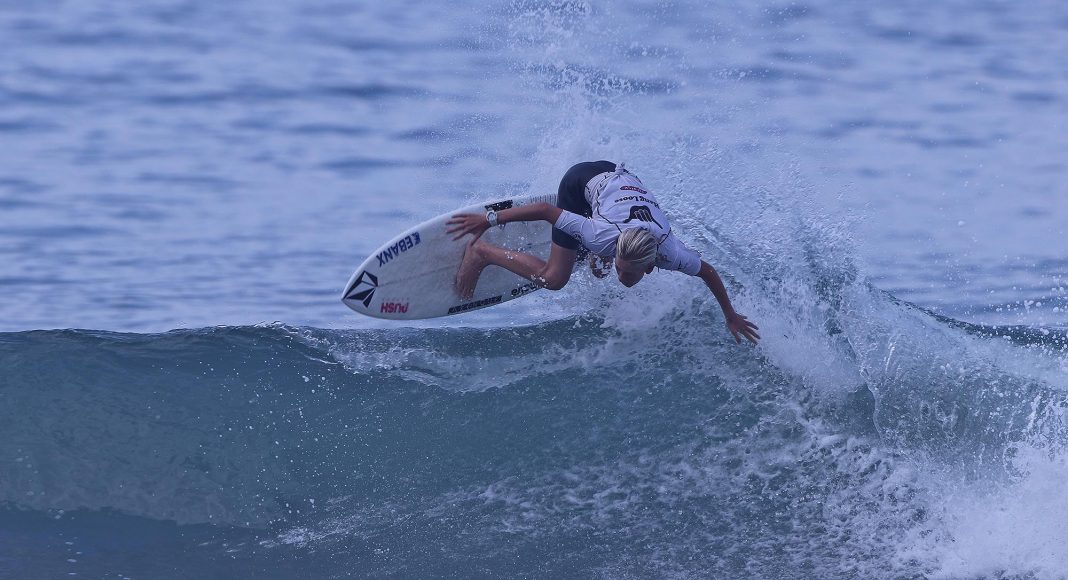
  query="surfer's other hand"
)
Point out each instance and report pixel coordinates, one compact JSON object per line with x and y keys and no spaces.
{"x":467,"y":223}
{"x":739,"y":327}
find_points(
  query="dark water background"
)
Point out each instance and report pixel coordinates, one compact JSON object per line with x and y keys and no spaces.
{"x":880,"y":184}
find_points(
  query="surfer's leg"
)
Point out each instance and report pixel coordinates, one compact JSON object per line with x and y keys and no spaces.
{"x":557,"y":270}
{"x":553,"y":274}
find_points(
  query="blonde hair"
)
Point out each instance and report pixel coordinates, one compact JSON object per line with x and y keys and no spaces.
{"x":637,"y":246}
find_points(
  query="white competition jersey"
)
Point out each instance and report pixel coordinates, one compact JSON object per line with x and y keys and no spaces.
{"x":620,"y":201}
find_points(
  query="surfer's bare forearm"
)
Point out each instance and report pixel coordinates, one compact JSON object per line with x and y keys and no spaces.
{"x":530,"y":213}
{"x":711,"y":278}
{"x":737,"y":324}
{"x":477,"y":224}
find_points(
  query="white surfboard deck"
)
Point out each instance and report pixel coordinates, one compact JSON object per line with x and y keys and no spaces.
{"x":412,"y":276}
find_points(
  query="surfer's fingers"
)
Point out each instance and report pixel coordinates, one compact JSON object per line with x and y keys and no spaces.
{"x":464,"y":227}
{"x":462,"y":218}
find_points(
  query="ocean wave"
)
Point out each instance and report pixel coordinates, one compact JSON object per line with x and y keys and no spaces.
{"x":865,"y":439}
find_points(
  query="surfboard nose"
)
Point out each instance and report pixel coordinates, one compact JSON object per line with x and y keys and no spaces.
{"x":360,"y":290}
{"x":412,"y":276}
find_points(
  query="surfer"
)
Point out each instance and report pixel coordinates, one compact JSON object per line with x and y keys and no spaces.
{"x":601,"y":209}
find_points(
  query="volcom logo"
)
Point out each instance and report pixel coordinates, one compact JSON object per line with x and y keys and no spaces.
{"x":367,"y":292}
{"x":641,"y":213}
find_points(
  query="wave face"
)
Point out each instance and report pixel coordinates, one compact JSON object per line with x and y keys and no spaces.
{"x":881,"y":443}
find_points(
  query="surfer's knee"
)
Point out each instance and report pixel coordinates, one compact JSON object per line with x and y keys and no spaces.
{"x":552,"y":280}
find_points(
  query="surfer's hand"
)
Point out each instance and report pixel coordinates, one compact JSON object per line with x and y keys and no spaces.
{"x":739,"y":327}
{"x":467,"y":223}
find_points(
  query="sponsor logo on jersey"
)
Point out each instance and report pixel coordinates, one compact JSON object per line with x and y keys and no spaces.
{"x":394,"y":307}
{"x":637,"y":198}
{"x":632,"y":188}
{"x":641,"y":213}
{"x":475,"y":304}
{"x":363,"y":289}
{"x":403,"y":245}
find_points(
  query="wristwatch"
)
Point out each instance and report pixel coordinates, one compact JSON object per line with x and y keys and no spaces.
{"x":491,"y":217}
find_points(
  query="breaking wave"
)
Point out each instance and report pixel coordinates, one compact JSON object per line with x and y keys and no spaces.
{"x":875,"y":440}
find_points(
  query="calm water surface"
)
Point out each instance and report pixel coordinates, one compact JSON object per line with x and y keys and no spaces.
{"x":181,"y":164}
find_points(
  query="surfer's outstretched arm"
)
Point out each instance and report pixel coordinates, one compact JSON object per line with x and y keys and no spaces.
{"x":477,"y":224}
{"x":552,"y":274}
{"x":736,"y":323}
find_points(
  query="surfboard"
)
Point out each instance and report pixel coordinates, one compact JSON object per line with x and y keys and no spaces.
{"x":412,"y":275}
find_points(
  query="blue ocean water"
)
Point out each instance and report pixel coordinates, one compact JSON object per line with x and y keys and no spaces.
{"x":185,"y":187}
